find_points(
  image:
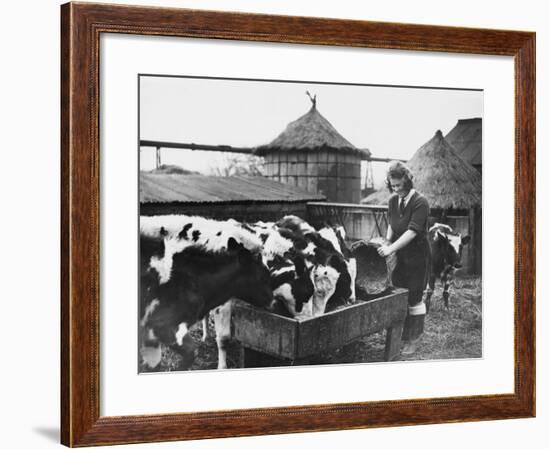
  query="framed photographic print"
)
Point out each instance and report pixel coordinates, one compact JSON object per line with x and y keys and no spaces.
{"x":278,"y":203}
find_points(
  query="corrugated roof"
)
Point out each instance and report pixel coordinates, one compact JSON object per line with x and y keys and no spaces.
{"x":310,"y":132}
{"x":163,"y":188}
{"x":466,"y":138}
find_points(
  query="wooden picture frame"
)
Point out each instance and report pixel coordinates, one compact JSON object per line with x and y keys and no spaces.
{"x":81,"y":26}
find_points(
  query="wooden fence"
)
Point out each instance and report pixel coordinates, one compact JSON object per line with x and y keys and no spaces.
{"x":360,"y":221}
{"x":366,"y":221}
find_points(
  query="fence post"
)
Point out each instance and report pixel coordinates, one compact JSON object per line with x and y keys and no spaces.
{"x":474,"y":224}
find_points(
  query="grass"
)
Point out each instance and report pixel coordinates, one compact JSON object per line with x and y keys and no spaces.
{"x":453,"y":333}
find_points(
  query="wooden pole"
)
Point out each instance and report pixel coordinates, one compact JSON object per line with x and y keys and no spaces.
{"x":365,"y":153}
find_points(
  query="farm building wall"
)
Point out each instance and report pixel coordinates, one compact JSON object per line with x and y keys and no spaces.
{"x":248,"y":212}
{"x":469,"y":225}
{"x":336,"y":175}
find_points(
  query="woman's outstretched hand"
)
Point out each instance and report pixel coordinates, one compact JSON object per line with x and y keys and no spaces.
{"x":385,"y":250}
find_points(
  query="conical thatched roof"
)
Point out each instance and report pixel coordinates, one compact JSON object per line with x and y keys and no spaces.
{"x":466,"y":139}
{"x":310,"y":132}
{"x":443,"y":177}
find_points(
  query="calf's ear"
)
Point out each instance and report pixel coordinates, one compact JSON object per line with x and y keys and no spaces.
{"x":337,"y":262}
{"x":466,"y":240}
{"x":233,"y":245}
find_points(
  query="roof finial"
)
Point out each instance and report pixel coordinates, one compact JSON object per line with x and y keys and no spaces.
{"x":313,"y":99}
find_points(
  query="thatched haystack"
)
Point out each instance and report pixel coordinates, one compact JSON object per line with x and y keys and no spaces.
{"x":442,"y":176}
{"x":381,"y":197}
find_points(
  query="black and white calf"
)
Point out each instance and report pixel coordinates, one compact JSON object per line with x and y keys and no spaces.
{"x":290,"y":281}
{"x":336,"y":235}
{"x":333,"y":275}
{"x":445,"y":257}
{"x":184,"y":276}
{"x":293,"y":288}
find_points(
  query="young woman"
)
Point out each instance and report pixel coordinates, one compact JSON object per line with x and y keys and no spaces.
{"x":407,"y":231}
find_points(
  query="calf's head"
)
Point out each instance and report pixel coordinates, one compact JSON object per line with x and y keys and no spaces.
{"x":451,"y":245}
{"x":292,"y":285}
{"x":252,"y":284}
{"x":325,"y":278}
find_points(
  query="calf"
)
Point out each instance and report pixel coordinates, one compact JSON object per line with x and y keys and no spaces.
{"x":336,"y":235}
{"x":326,"y":250}
{"x":290,"y":280}
{"x":292,"y":290}
{"x":445,"y":256}
{"x":182,"y":231}
{"x":197,"y":281}
{"x":293,"y":286}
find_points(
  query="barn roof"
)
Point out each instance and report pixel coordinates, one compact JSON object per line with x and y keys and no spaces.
{"x":311,"y":132}
{"x":465,"y":137}
{"x":174,"y":188}
{"x":443,"y":177}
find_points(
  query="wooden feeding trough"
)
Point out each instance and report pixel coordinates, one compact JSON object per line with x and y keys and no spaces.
{"x":263,"y":333}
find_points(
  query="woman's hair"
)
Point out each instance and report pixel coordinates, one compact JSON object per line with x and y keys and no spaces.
{"x":398,"y":170}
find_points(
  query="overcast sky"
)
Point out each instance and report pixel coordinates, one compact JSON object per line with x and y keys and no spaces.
{"x":390,"y":121}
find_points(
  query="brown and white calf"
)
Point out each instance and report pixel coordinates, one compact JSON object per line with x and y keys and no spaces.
{"x":445,"y":257}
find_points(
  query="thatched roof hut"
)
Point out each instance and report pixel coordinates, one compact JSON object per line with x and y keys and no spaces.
{"x":443,"y":177}
{"x":466,"y":139}
{"x":311,"y":132}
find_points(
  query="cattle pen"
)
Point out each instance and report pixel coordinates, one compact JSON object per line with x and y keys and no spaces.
{"x":251,"y":199}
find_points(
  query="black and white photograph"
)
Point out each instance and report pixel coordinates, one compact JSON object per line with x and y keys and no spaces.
{"x":295,"y":222}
